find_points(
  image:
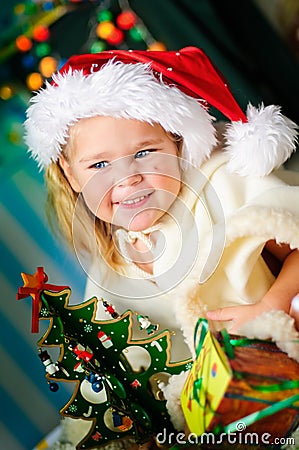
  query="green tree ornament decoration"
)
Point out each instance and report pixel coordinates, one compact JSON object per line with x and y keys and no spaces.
{"x":121,"y":398}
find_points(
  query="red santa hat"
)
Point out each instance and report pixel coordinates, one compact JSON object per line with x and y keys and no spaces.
{"x":174,"y":89}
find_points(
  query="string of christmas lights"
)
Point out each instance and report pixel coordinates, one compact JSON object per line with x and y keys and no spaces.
{"x":113,"y":25}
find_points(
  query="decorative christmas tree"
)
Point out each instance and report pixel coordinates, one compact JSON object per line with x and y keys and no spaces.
{"x":121,"y":397}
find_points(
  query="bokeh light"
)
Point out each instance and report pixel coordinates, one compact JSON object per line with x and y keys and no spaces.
{"x":34,"y":81}
{"x":47,"y":66}
{"x":126,"y":20}
{"x":104,"y":29}
{"x":157,"y":46}
{"x":105,"y":16}
{"x":97,"y":47}
{"x":42,"y":49}
{"x":136,"y":33}
{"x":115,"y":37}
{"x":19,"y":9}
{"x":6,"y":92}
{"x":41,"y":33}
{"x":23,"y":43}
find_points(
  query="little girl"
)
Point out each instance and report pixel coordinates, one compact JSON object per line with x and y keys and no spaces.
{"x":169,"y":215}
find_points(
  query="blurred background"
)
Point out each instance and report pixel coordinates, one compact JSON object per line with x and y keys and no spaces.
{"x":255,"y":43}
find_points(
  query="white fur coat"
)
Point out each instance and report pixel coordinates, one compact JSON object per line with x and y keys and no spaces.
{"x":229,"y":269}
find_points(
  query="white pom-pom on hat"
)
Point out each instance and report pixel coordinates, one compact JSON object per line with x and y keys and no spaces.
{"x":263,"y":143}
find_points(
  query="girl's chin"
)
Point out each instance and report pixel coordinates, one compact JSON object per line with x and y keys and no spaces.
{"x":141,"y":222}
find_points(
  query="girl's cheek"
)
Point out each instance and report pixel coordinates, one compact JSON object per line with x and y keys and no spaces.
{"x":167,"y":173}
{"x":96,"y":194}
{"x":168,"y":165}
{"x":99,"y":206}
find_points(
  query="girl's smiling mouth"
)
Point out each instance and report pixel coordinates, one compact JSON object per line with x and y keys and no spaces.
{"x":135,"y":201}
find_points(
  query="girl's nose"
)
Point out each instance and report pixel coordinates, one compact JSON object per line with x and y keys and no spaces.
{"x":130,"y":180}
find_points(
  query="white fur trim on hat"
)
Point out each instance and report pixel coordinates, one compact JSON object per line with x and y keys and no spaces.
{"x":119,"y":90}
{"x":263,"y":143}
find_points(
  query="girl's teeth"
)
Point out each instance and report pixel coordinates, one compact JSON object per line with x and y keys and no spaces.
{"x":135,"y":200}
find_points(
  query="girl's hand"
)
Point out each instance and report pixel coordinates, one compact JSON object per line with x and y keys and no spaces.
{"x":278,"y":297}
{"x":236,"y":315}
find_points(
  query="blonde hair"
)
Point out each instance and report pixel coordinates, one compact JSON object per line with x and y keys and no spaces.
{"x":67,"y":210}
{"x":83,"y":231}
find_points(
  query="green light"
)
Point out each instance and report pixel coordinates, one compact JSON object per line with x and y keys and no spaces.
{"x":104,"y":16}
{"x":30,"y":8}
{"x":137,"y":33}
{"x":97,"y":47}
{"x":42,"y":49}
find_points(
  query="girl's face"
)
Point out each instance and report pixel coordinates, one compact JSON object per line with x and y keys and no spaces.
{"x":127,"y":170}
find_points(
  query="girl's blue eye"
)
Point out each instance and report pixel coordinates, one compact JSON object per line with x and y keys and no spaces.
{"x":143,"y":153}
{"x":100,"y":165}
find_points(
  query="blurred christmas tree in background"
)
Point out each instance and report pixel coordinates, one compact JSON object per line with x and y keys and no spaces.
{"x":43,"y":34}
{"x":36,"y":38}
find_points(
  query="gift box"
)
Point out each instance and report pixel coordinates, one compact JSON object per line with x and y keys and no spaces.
{"x":241,"y":387}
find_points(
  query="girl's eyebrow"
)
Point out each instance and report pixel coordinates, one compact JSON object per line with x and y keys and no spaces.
{"x":106,"y":155}
{"x":99,"y":157}
{"x":147,"y":143}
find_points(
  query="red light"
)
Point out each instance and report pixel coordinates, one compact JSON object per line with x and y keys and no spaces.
{"x":116,"y":37}
{"x":126,"y":20}
{"x":41,"y":33}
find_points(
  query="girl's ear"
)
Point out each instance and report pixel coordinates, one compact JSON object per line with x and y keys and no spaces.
{"x":67,"y":170}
